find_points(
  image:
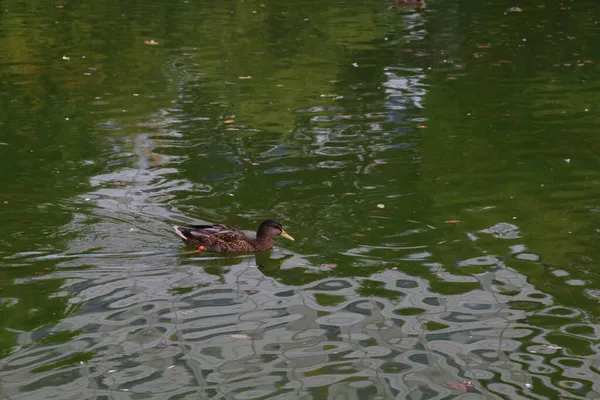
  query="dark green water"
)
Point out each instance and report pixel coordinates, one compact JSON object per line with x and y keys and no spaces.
{"x":438,"y":166}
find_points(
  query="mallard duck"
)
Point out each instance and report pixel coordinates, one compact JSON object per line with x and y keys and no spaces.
{"x":224,"y":239}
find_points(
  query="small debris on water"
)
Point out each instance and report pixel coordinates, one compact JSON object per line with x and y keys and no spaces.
{"x":514,"y":9}
{"x":240,"y":336}
{"x":228,"y":121}
{"x":66,"y":58}
{"x":150,"y":42}
{"x":452,"y":221}
{"x":567,"y":160}
{"x":552,"y":347}
{"x":380,"y":205}
{"x":245,"y":77}
{"x":466,"y":385}
{"x":355,"y":65}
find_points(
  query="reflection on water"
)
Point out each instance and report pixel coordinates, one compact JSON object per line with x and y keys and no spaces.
{"x":222,"y":327}
{"x":444,"y":245}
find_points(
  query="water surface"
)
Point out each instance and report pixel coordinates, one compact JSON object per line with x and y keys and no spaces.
{"x":437,"y":166}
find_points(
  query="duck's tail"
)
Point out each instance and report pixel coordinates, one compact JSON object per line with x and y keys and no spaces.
{"x":180,"y":232}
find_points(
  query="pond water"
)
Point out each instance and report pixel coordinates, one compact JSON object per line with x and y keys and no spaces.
{"x":438,"y":166}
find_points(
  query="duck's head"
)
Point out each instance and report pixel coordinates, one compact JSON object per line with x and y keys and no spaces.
{"x":270,"y":228}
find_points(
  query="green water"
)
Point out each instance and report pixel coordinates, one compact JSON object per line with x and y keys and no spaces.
{"x":438,"y":167}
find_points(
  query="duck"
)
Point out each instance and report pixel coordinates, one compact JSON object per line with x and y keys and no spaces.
{"x":224,"y":239}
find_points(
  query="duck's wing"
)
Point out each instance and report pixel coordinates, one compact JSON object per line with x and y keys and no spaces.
{"x":203,"y":232}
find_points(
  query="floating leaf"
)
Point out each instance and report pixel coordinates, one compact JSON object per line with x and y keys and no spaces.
{"x":466,"y":385}
{"x":240,"y":336}
{"x":452,"y":221}
{"x":150,"y":42}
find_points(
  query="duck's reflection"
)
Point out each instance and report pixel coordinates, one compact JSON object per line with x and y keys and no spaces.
{"x":270,"y":266}
{"x":219,"y":264}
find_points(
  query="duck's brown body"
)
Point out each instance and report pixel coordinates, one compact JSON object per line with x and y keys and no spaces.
{"x":224,"y":239}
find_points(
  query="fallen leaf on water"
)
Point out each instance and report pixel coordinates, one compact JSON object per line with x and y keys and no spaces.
{"x":452,"y":221}
{"x":245,"y":77}
{"x":329,"y":266}
{"x":422,"y":126}
{"x":228,"y":121}
{"x":340,"y":115}
{"x":466,"y":385}
{"x":150,"y":42}
{"x":240,"y":336}
{"x":380,"y":205}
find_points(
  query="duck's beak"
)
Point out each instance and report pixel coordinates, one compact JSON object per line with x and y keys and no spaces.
{"x":285,"y":235}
